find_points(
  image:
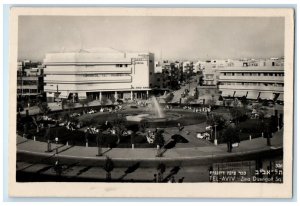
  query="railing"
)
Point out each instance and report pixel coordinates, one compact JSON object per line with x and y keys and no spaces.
{"x":252,"y":78}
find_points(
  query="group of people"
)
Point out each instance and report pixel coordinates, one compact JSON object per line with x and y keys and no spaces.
{"x":169,"y":180}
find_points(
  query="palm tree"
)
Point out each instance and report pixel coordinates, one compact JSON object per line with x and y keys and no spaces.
{"x":108,"y":167}
{"x":70,"y":105}
{"x":43,"y":106}
{"x":104,"y":100}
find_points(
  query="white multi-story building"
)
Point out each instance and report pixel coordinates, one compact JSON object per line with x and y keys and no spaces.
{"x":262,"y":79}
{"x":97,"y":73}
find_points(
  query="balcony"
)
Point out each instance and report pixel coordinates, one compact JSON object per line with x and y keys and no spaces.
{"x":60,"y":70}
{"x":249,"y":88}
{"x":27,"y":87}
{"x":251,"y":78}
{"x":76,"y":79}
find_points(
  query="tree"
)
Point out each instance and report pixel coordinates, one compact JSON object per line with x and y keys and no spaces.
{"x":119,"y":126}
{"x":230,"y":136}
{"x":159,"y":141}
{"x":100,"y":142}
{"x":189,"y":99}
{"x":104,"y":100}
{"x":201,"y":80}
{"x":238,"y":114}
{"x":228,"y":103}
{"x":44,"y":109}
{"x":71,"y":105}
{"x":196,"y":94}
{"x":84,"y":102}
{"x":108,"y":167}
{"x":63,"y":103}
{"x":169,"y":97}
{"x":216,"y":119}
{"x":143,"y":125}
{"x":244,"y":101}
{"x":113,"y":99}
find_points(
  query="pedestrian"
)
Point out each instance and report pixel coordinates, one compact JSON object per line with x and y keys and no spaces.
{"x":180,"y":128}
{"x":155,"y":178}
{"x":173,"y":179}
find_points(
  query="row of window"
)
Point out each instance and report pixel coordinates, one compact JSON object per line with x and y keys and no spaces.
{"x":27,"y":82}
{"x":105,"y":75}
{"x":252,"y":84}
{"x":121,"y":65}
{"x":252,"y":74}
{"x":19,"y":91}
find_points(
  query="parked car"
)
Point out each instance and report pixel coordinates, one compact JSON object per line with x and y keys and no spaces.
{"x":75,"y":115}
{"x":91,"y":111}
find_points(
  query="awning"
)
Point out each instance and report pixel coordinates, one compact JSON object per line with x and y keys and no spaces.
{"x":81,"y":95}
{"x":252,"y":95}
{"x":63,"y":95}
{"x":266,"y":95}
{"x":227,"y":93}
{"x":240,"y":93}
{"x":280,"y":97}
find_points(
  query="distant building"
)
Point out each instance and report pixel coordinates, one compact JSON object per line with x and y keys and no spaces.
{"x":29,"y":80}
{"x":187,"y":66}
{"x":96,"y":73}
{"x":254,"y":79}
{"x":211,"y":71}
{"x":158,"y":67}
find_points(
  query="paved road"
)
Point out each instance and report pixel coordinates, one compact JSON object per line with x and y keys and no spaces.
{"x":36,"y":172}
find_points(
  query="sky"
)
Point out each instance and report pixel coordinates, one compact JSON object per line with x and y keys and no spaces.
{"x":175,"y":38}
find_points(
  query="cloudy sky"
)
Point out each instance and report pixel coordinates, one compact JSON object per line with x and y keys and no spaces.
{"x":170,"y":37}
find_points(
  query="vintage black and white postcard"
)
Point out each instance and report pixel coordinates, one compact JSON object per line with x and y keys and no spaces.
{"x":151,"y":102}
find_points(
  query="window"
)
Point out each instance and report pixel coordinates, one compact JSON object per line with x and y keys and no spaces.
{"x":265,"y":74}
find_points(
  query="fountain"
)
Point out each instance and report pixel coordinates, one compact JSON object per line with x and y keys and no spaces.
{"x":156,"y":113}
{"x":156,"y":107}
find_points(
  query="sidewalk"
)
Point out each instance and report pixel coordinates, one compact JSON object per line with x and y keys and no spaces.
{"x":253,"y":146}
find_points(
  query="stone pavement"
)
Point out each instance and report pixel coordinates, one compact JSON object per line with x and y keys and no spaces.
{"x":255,"y":145}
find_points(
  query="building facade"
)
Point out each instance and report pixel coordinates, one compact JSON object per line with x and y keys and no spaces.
{"x":29,"y":80}
{"x":254,"y":79}
{"x":93,"y":74}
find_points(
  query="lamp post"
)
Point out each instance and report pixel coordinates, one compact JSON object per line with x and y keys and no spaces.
{"x":56,"y":149}
{"x":278,"y":122}
{"x":215,"y":141}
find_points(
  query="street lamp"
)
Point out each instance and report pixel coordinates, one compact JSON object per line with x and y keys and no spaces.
{"x":216,"y":141}
{"x":278,"y":122}
{"x":56,"y":149}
